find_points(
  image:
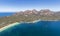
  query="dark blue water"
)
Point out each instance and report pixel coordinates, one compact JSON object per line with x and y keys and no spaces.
{"x":6,"y":14}
{"x":41,"y":28}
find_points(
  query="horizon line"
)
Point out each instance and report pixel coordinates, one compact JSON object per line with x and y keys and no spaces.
{"x":25,"y":10}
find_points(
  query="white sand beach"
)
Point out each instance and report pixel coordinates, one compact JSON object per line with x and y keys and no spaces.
{"x":8,"y":26}
{"x":16,"y":23}
{"x":36,"y":21}
{"x":13,"y":24}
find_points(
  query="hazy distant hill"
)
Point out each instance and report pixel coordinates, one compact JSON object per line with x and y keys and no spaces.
{"x":30,"y":15}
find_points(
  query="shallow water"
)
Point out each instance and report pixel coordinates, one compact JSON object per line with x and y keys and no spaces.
{"x":41,"y":28}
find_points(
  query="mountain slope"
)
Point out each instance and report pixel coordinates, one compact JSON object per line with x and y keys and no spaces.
{"x":29,"y":15}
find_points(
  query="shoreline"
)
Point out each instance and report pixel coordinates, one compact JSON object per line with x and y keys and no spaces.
{"x":16,"y":23}
{"x":8,"y":26}
{"x":40,"y":20}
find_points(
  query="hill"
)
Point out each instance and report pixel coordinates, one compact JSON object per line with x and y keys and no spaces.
{"x":29,"y":15}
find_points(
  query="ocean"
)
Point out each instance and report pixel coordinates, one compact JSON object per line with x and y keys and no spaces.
{"x":2,"y":14}
{"x":40,"y":28}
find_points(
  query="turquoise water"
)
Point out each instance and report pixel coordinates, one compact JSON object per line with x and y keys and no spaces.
{"x":41,"y":28}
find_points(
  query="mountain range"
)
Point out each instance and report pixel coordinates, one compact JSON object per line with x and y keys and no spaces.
{"x":30,"y":15}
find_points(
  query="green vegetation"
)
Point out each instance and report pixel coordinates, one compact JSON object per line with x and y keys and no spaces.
{"x":11,"y":19}
{"x":29,"y":16}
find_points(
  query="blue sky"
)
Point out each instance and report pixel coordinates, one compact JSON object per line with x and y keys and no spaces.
{"x":19,"y":5}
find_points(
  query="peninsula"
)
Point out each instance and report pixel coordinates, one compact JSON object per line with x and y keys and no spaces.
{"x":30,"y":15}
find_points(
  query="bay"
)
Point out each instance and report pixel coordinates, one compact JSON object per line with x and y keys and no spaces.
{"x":40,"y":28}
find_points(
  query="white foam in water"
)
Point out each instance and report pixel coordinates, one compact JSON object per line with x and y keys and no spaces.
{"x":6,"y":27}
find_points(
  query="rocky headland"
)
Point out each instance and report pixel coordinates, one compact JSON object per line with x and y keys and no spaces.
{"x":30,"y":15}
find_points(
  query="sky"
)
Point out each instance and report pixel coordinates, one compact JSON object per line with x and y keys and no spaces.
{"x":21,"y":5}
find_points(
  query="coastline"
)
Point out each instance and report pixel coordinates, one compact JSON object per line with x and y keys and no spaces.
{"x":6,"y":27}
{"x":16,"y":23}
{"x":40,"y":20}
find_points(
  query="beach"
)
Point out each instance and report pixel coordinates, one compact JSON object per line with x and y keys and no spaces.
{"x":6,"y":27}
{"x":16,"y":23}
{"x":13,"y":24}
